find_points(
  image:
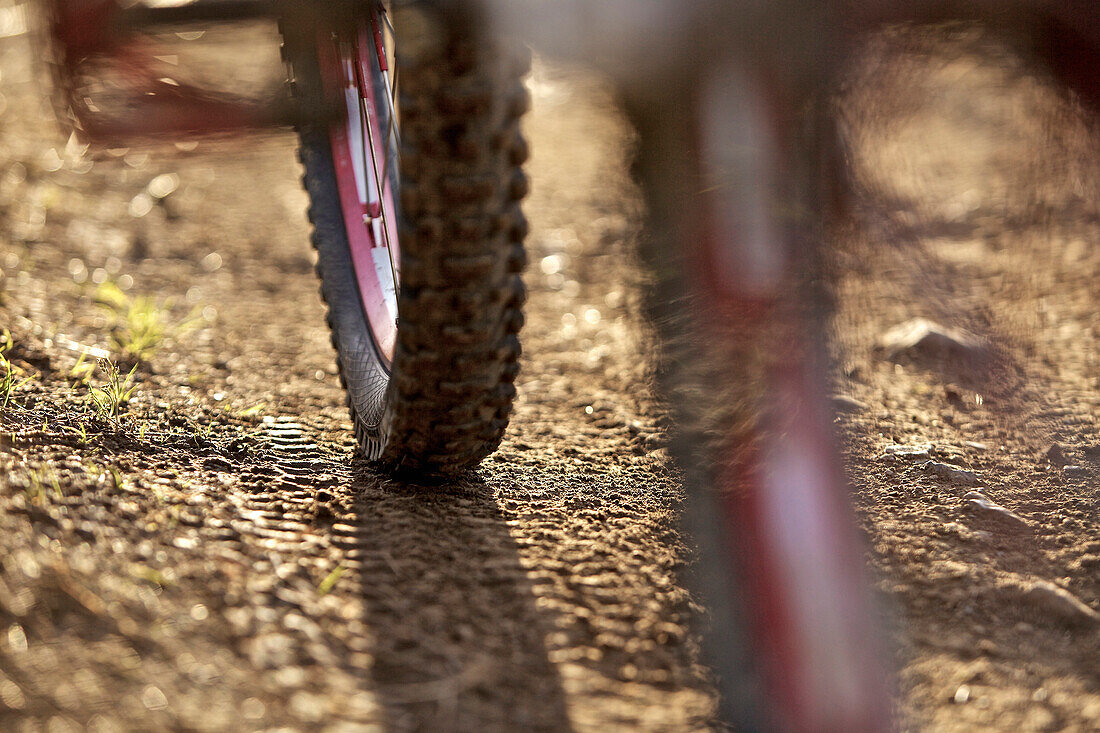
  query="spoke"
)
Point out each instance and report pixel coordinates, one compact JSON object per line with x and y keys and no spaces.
{"x":389,"y":24}
{"x":379,"y":182}
{"x":393,"y":141}
{"x":393,"y":86}
{"x":393,"y":134}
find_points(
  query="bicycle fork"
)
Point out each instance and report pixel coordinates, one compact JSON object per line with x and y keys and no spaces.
{"x":778,"y":487}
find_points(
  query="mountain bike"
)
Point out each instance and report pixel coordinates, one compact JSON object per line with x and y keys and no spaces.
{"x":407,"y":113}
{"x":408,"y":120}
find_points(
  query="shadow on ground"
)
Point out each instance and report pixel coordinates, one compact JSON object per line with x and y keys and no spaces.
{"x":456,"y":617}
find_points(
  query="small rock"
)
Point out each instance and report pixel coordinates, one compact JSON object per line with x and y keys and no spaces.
{"x":975,"y":445}
{"x":920,"y":337}
{"x":1056,"y":455}
{"x":845,"y":404}
{"x":961,"y":476}
{"x":1073,"y":471}
{"x":986,"y":509}
{"x":922,"y":450}
{"x":153,"y":698}
{"x":1057,"y":603}
{"x":953,"y":474}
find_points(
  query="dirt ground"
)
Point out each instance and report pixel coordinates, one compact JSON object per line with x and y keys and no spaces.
{"x":215,"y":557}
{"x":980,"y":187}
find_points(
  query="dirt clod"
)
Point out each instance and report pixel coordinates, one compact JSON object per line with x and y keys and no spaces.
{"x":1056,"y":455}
{"x":954,"y":474}
{"x":1055,"y":603}
{"x":983,"y":508}
{"x":922,"y":339}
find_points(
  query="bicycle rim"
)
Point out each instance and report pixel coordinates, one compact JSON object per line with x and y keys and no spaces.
{"x":358,"y":67}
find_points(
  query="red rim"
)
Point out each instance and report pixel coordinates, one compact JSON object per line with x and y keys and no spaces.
{"x":353,"y":70}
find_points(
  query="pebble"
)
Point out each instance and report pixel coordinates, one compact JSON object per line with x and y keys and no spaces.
{"x":979,"y":505}
{"x":908,"y":451}
{"x":307,"y":706}
{"x":955,"y":475}
{"x":1056,"y":455}
{"x":163,"y":185}
{"x":153,"y":698}
{"x":920,"y":337}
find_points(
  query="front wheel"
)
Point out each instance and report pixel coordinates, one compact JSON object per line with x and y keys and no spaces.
{"x":414,"y":189}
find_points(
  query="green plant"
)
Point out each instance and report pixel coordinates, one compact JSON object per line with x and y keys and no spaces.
{"x":109,"y":399}
{"x":38,"y":480}
{"x":251,"y":411}
{"x":11,"y":378}
{"x":330,"y":580}
{"x":104,"y":472}
{"x":141,"y":324}
{"x":202,"y":433}
{"x":81,"y":432}
{"x":150,"y":575}
{"x":83,"y":370}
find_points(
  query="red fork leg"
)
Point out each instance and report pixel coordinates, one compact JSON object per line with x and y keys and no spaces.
{"x":785,"y":500}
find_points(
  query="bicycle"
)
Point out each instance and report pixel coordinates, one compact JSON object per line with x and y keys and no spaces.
{"x":412,"y":157}
{"x":793,"y":639}
{"x":414,"y":206}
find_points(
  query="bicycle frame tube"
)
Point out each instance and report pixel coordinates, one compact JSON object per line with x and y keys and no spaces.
{"x":93,"y":37}
{"x":786,"y":503}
